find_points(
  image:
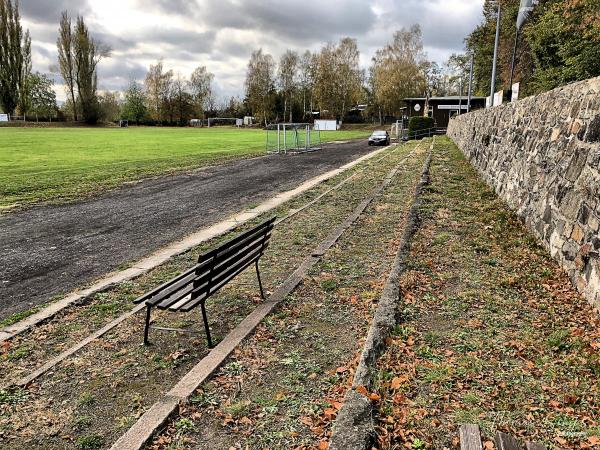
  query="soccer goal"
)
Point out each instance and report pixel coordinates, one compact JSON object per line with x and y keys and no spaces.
{"x":124,"y":123}
{"x":399,"y":130}
{"x":286,"y":138}
{"x":221,"y":121}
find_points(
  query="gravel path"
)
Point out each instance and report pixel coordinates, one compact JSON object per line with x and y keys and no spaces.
{"x":51,"y":250}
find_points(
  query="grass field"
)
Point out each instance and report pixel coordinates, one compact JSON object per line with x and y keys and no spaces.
{"x":58,"y":165}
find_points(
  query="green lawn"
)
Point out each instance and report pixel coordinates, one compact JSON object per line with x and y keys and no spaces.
{"x":63,"y":164}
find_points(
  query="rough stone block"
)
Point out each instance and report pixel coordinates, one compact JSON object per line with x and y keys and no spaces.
{"x":577,"y":235}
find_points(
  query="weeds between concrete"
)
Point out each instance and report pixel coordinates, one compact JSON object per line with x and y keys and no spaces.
{"x":93,"y":396}
{"x":354,"y":427}
{"x":280,"y":388}
{"x":71,"y":325}
{"x":493,"y":331}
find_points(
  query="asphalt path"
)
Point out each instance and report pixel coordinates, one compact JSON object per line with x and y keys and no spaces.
{"x":51,"y":250}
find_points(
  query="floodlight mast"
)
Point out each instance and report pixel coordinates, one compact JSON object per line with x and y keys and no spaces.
{"x":493,"y":83}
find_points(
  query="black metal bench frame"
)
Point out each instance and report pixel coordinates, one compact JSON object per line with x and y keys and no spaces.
{"x":214,"y":270}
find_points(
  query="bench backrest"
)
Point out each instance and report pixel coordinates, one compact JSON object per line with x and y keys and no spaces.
{"x":214,"y":269}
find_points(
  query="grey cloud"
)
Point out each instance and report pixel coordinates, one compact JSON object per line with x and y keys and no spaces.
{"x":221,"y":34}
{"x":48,"y":11}
{"x":297,"y":22}
{"x":172,"y":7}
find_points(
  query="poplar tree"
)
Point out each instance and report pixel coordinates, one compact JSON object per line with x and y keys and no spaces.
{"x":66,"y":59}
{"x":15,"y":58}
{"x":78,"y":57}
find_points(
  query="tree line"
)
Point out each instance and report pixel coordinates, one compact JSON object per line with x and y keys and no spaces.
{"x":559,"y":43}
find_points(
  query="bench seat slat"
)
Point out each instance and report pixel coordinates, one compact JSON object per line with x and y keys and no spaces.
{"x":181,"y":284}
{"x":164,"y":286}
{"x":174,"y":297}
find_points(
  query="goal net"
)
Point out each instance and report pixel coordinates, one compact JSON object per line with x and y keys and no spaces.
{"x":292,"y":138}
{"x":224,"y":121}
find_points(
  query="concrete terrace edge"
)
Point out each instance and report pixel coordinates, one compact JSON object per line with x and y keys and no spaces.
{"x":354,"y":428}
{"x":162,"y":255}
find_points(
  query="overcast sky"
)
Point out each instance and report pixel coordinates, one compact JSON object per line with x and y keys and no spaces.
{"x":221,"y":34}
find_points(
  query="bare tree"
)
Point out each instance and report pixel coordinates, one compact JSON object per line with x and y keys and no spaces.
{"x":288,"y":68}
{"x":260,"y":83}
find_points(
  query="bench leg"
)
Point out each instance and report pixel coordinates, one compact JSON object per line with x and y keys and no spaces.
{"x":262,"y":294}
{"x":147,"y":328}
{"x":205,"y":319}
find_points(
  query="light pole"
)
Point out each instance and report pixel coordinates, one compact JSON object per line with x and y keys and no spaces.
{"x":493,"y":83}
{"x":470,"y":84}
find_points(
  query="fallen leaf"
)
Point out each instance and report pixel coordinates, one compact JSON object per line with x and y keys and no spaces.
{"x":594,"y":440}
{"x":398,"y":381}
{"x":375,"y":397}
{"x":362,"y":390}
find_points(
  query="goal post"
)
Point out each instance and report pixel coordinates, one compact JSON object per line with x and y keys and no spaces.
{"x":283,"y":138}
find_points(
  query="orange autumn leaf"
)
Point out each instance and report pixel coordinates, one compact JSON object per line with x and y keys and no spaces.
{"x":488,"y":445}
{"x":362,"y":390}
{"x":398,"y":381}
{"x":375,"y":397}
{"x":323,"y":445}
{"x":594,"y":440}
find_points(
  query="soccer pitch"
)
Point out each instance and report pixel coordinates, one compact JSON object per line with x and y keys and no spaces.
{"x":64,"y":164}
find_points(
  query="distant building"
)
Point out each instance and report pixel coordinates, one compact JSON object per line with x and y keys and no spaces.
{"x":442,"y":108}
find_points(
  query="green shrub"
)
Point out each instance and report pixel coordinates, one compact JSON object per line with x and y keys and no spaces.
{"x":417,"y":126}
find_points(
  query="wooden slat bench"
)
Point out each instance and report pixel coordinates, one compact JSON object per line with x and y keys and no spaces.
{"x":214,"y":270}
{"x":470,"y":439}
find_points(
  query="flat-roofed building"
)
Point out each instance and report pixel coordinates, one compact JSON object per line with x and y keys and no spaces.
{"x":442,"y":108}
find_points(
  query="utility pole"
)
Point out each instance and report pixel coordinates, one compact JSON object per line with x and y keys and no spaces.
{"x":493,"y":84}
{"x":512,"y":64}
{"x":460,"y":96}
{"x":470,"y":84}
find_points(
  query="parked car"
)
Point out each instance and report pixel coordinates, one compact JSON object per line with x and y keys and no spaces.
{"x":379,"y":137}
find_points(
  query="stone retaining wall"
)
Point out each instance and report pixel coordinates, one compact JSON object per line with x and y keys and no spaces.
{"x":542,"y":156}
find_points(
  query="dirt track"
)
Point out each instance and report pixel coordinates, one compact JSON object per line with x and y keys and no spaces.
{"x":48,"y":251}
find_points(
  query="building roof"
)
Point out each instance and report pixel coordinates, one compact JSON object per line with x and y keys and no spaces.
{"x":450,"y":97}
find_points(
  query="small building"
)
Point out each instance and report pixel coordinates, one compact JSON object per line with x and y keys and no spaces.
{"x":442,"y":108}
